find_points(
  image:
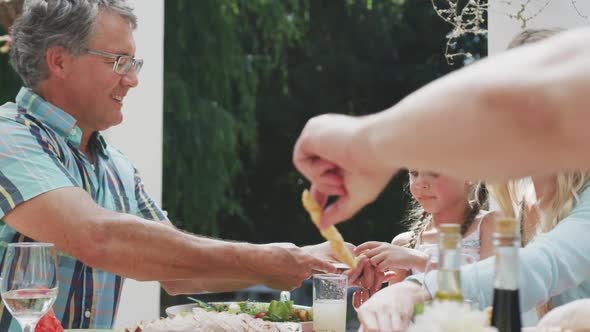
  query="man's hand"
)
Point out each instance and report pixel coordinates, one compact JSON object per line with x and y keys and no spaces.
{"x":284,"y":265}
{"x":332,"y":153}
{"x":324,"y":251}
{"x":391,"y":308}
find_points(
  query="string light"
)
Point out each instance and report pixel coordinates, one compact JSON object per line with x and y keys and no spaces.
{"x":468,"y":18}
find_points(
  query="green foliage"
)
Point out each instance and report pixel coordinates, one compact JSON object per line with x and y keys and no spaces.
{"x":243,"y":77}
{"x":9,"y":80}
{"x":241,"y":80}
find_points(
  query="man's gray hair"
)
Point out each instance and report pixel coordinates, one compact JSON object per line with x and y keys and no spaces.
{"x":48,"y":23}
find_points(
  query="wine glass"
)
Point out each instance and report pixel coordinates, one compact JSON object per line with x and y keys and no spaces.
{"x":431,"y":265}
{"x":474,"y":301}
{"x":29,"y":281}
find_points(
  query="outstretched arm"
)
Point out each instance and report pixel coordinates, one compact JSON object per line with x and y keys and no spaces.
{"x":523,"y":112}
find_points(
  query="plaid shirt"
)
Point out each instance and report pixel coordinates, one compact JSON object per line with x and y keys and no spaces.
{"x":39,"y":152}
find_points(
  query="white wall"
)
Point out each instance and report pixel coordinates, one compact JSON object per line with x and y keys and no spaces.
{"x":559,"y":13}
{"x":140,"y":138}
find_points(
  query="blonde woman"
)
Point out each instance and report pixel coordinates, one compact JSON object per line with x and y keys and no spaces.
{"x":540,"y":204}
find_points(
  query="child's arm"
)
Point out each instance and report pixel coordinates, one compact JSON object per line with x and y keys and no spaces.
{"x":386,"y":256}
{"x":402,"y":239}
{"x":485,"y":235}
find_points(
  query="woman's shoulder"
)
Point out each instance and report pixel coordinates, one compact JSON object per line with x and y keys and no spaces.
{"x":486,"y":224}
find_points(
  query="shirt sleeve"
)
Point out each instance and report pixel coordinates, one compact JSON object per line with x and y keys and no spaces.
{"x":30,"y":164}
{"x":553,"y":263}
{"x":147,"y":207}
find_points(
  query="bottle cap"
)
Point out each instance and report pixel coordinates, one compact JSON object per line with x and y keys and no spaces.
{"x":450,"y":236}
{"x":506,"y":226}
{"x":450,"y":228}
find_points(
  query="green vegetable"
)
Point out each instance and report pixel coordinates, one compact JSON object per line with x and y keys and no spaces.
{"x":281,"y":312}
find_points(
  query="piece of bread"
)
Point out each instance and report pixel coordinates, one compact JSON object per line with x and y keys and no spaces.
{"x":331,"y":233}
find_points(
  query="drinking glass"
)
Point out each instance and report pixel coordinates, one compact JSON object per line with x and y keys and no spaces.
{"x":29,"y":281}
{"x":432,"y":264}
{"x":329,"y":302}
{"x":476,"y":299}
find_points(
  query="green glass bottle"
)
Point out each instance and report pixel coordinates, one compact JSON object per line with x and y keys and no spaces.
{"x":449,"y":270}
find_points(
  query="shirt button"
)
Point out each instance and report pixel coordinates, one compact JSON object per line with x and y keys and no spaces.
{"x":87,"y":314}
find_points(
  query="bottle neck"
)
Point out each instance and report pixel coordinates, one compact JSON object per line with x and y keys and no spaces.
{"x":506,"y":250}
{"x":449,"y":275}
{"x":449,"y":252}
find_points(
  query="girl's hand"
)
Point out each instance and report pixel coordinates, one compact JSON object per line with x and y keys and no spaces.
{"x":385,"y":256}
{"x":365,"y":275}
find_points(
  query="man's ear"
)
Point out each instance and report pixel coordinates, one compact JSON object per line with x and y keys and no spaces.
{"x":58,"y":60}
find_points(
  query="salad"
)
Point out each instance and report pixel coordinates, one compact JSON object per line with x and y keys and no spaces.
{"x":275,"y":311}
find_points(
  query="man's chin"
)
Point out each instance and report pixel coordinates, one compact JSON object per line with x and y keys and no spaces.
{"x":110,"y":124}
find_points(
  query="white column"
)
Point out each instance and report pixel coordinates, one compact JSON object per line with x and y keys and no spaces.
{"x":558,"y":14}
{"x":140,"y":138}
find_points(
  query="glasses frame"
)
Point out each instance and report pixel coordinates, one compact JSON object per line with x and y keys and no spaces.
{"x":134,"y":63}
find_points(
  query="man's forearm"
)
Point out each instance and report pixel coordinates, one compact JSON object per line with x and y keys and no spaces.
{"x":520,"y":113}
{"x":194,"y":286}
{"x":155,"y":251}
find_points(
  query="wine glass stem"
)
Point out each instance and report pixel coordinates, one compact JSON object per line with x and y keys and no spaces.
{"x":29,"y":327}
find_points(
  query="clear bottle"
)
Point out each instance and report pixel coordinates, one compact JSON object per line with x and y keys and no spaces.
{"x":449,"y":274}
{"x":506,"y":307}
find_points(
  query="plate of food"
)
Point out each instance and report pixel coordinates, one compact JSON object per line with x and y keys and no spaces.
{"x":232,"y":316}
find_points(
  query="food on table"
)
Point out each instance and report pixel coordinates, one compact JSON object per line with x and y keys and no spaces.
{"x":235,"y":317}
{"x":49,"y":323}
{"x":275,"y":311}
{"x":331,"y":233}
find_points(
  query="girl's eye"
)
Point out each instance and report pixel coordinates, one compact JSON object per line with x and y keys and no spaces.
{"x":414,"y":173}
{"x":433,"y":174}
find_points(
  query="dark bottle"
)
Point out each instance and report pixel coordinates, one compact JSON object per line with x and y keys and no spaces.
{"x":506,"y":308}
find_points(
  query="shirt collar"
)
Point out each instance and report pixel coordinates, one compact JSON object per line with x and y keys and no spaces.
{"x":57,"y":119}
{"x":51,"y":116}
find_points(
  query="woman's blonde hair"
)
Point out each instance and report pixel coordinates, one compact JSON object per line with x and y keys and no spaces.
{"x":419,"y":220}
{"x":568,"y":185}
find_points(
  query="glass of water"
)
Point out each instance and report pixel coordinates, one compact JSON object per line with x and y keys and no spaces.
{"x":29,"y":281}
{"x":329,"y":302}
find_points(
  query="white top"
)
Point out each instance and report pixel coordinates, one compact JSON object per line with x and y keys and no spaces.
{"x":555,"y":265}
{"x":470,"y":245}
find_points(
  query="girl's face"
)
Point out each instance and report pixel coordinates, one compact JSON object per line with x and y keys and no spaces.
{"x":437,"y":192}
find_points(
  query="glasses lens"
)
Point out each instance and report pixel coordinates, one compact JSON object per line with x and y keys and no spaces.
{"x":123,"y":65}
{"x":137,"y":66}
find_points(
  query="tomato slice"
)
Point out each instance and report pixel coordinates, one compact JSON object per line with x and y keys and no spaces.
{"x":49,"y":323}
{"x":260,"y":314}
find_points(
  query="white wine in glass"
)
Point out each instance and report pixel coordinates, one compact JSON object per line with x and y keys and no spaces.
{"x":29,"y":281}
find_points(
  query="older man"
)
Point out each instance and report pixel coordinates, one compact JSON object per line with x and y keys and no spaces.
{"x":60,"y":182}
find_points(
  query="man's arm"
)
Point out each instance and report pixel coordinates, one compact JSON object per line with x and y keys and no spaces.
{"x":524,"y":112}
{"x":520,"y":113}
{"x":133,"y":247}
{"x":194,"y":286}
{"x":204,"y":285}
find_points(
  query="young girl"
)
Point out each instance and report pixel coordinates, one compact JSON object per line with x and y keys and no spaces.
{"x":438,"y":199}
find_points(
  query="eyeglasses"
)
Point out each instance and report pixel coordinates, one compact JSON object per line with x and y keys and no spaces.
{"x":123,"y":63}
